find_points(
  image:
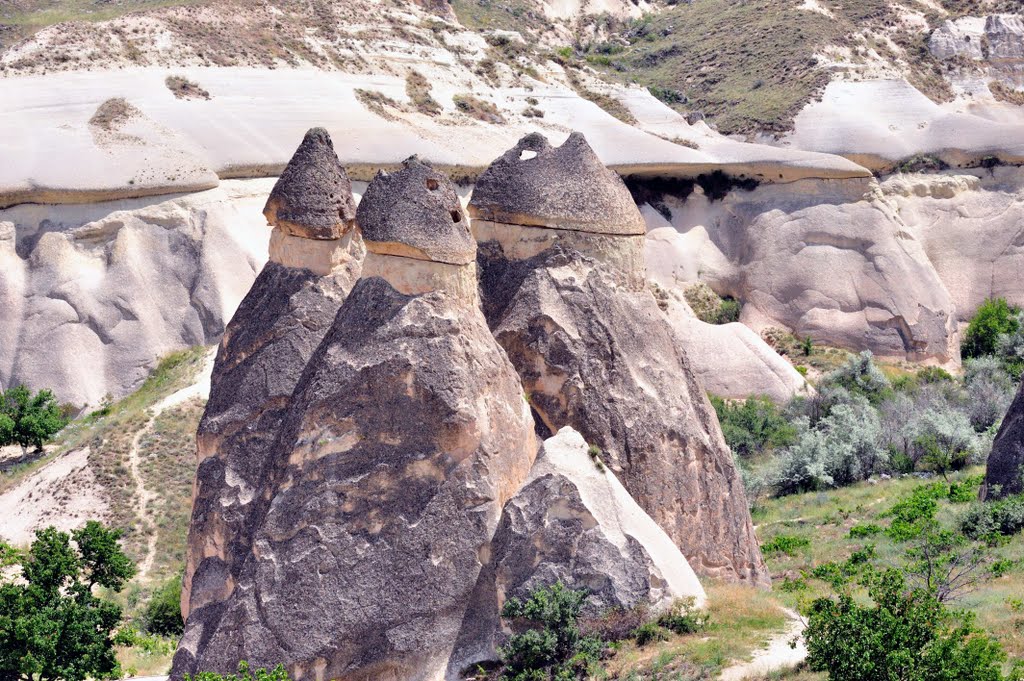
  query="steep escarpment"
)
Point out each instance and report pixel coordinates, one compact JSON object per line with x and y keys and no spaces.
{"x":268,"y":342}
{"x":1005,"y":474}
{"x":571,"y":309}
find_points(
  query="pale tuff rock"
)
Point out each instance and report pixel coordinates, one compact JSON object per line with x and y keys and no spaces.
{"x":573,"y":522}
{"x":403,"y":438}
{"x":415,"y":213}
{"x":564,"y":187}
{"x":595,"y":353}
{"x":313,"y":196}
{"x":265,"y":348}
{"x":837,"y":263}
{"x":1005,"y":474}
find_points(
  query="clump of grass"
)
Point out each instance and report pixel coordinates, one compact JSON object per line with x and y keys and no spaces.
{"x":477,"y":108}
{"x":1004,"y":93}
{"x":418,"y":89}
{"x":379,"y":103}
{"x":610,"y":105}
{"x":113,"y":113}
{"x":183,"y":88}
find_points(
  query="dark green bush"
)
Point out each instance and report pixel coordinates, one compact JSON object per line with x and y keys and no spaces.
{"x":163,"y":613}
{"x":683,"y":618}
{"x":994,"y":318}
{"x":903,"y":633}
{"x":649,"y":632}
{"x":865,"y":530}
{"x":753,"y":426}
{"x":965,"y":490}
{"x":551,"y":646}
{"x":1004,"y":517}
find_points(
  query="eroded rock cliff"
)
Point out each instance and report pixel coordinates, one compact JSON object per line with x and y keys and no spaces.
{"x":1005,"y":473}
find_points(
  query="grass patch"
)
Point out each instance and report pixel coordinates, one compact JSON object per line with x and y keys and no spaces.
{"x":113,"y":113}
{"x":610,"y":105}
{"x":742,"y":619}
{"x":1005,"y":93}
{"x":477,"y":108}
{"x":183,"y":88}
{"x":418,"y":89}
{"x":379,"y":103}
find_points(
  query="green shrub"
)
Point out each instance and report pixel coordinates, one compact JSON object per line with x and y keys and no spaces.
{"x":753,"y":426}
{"x":785,"y":543}
{"x":29,"y":420}
{"x":910,"y":514}
{"x":966,"y":490}
{"x":683,"y":618}
{"x":710,"y":307}
{"x":649,"y":632}
{"x":902,"y":634}
{"x":860,"y":376}
{"x":552,"y":645}
{"x":163,"y":613}
{"x":864,"y":530}
{"x":1004,"y":517}
{"x":278,"y":673}
{"x":994,"y":318}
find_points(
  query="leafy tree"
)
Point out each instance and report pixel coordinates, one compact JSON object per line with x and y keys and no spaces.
{"x":860,"y":376}
{"x":29,"y":420}
{"x":903,"y":634}
{"x":754,"y":425}
{"x":52,"y":626}
{"x":994,"y":318}
{"x":551,"y":646}
{"x":163,"y":613}
{"x":245,"y":673}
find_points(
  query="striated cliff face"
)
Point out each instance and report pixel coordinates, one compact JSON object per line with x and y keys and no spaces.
{"x":595,"y":353}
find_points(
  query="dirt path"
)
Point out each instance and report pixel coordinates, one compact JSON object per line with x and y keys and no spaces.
{"x":779,"y":654}
{"x":143,"y":496}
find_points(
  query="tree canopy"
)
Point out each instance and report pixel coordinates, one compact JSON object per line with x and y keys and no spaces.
{"x":29,"y":420}
{"x":52,"y":626}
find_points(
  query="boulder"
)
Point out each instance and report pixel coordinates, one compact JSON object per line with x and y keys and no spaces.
{"x":404,"y":437}
{"x":1005,"y":473}
{"x":262,"y":354}
{"x":595,"y":353}
{"x":573,"y":522}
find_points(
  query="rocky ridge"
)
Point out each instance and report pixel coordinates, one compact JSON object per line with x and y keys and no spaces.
{"x":1005,"y":472}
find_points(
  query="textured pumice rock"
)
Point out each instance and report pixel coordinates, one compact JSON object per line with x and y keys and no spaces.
{"x":573,"y":522}
{"x":415,"y":213}
{"x":1005,"y":473}
{"x":265,"y":348}
{"x":403,"y":439}
{"x":564,"y":187}
{"x":313,"y":197}
{"x":595,"y":353}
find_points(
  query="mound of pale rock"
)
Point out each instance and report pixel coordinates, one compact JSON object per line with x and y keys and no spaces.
{"x":573,"y":522}
{"x":1005,"y":473}
{"x":594,"y":352}
{"x":403,"y":439}
{"x":265,"y":347}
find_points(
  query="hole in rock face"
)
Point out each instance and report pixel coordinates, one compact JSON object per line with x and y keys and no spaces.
{"x":526,"y":155}
{"x":432,"y":184}
{"x":456,"y":216}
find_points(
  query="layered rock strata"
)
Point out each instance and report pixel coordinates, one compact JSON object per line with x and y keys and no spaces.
{"x":1005,"y":473}
{"x":595,"y":353}
{"x":265,"y":347}
{"x":403,"y":439}
{"x":573,"y":522}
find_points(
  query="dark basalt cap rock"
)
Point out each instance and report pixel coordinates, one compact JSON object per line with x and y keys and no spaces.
{"x":313,"y":197}
{"x":416,"y":213}
{"x":564,"y":187}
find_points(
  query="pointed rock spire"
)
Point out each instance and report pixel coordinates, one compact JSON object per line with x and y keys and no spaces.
{"x":313,"y":197}
{"x":564,"y":187}
{"x":416,"y":213}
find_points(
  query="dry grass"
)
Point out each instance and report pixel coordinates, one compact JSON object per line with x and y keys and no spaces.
{"x":418,"y":90}
{"x":1005,"y":93}
{"x":743,"y":619}
{"x":113,"y":114}
{"x":481,"y":110}
{"x":183,"y":88}
{"x":379,"y":103}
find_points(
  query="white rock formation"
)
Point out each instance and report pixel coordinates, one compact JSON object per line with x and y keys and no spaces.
{"x":93,"y":295}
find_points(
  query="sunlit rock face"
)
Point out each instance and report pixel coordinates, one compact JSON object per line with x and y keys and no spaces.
{"x":403,"y":438}
{"x":264,"y":350}
{"x":595,"y":353}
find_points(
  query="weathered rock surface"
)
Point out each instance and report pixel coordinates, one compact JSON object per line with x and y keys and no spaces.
{"x":313,"y":196}
{"x":833,"y":261}
{"x":564,"y":187}
{"x":92,"y":296}
{"x":730,"y":360}
{"x":1005,"y":473}
{"x":572,"y":522}
{"x":598,"y":356}
{"x":403,"y":439}
{"x":265,"y":348}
